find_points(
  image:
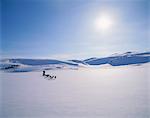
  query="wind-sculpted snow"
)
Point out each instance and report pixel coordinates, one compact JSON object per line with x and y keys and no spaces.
{"x":35,"y":62}
{"x":123,"y":59}
{"x":26,"y":65}
{"x":99,"y":61}
{"x":77,"y":61}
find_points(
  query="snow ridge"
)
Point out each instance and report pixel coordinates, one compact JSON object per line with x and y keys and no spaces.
{"x":26,"y":65}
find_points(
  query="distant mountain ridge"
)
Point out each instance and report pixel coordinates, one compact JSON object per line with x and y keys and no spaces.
{"x":122,"y":59}
{"x":25,"y":65}
{"x":35,"y":62}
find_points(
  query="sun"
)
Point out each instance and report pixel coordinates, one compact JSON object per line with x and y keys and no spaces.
{"x":104,"y":22}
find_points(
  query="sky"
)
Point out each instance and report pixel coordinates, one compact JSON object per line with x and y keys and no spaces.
{"x":68,"y":29}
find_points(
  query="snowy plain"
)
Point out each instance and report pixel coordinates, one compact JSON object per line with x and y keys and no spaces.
{"x":102,"y":92}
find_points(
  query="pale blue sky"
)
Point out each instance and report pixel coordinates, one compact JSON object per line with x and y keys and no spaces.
{"x":65,"y":29}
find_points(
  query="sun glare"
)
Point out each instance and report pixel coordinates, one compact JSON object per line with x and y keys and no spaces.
{"x":104,"y":22}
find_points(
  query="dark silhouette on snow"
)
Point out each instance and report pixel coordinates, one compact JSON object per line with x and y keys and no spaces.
{"x":47,"y":75}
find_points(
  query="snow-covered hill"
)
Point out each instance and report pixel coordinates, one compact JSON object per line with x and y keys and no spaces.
{"x":25,"y":65}
{"x":121,"y":59}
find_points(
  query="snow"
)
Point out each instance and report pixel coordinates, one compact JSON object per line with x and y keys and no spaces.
{"x":121,"y":59}
{"x":102,"y":92}
{"x":28,"y":65}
